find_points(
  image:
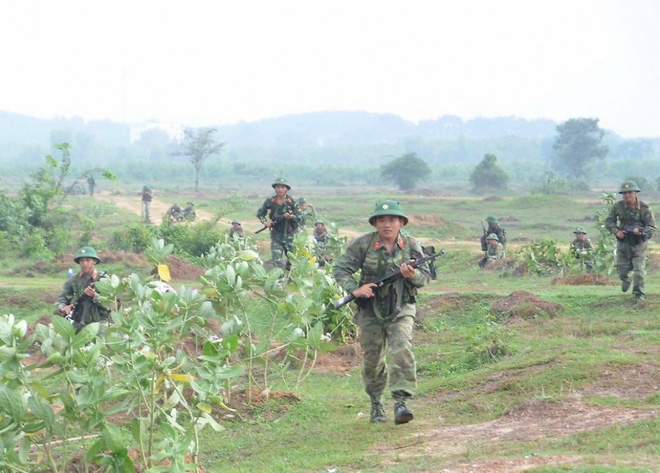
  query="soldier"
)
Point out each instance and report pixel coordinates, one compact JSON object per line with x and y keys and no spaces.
{"x":91,"y":183}
{"x":189,"y":212}
{"x":79,"y":299}
{"x":285,"y":219}
{"x":320,"y":232}
{"x":306,"y":210}
{"x":632,"y":222}
{"x":494,"y":251}
{"x":147,"y":195}
{"x":236,"y":229}
{"x":173,"y":213}
{"x":386,"y":314}
{"x":582,"y":248}
{"x":493,"y":227}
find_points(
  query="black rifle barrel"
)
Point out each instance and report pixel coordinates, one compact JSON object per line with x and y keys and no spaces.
{"x":415,"y":264}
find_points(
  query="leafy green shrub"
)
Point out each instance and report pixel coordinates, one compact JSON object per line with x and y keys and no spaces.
{"x":488,"y":341}
{"x":543,"y":257}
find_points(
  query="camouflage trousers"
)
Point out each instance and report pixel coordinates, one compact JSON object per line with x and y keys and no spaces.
{"x":631,"y":264}
{"x":377,"y":337}
{"x":279,"y":246}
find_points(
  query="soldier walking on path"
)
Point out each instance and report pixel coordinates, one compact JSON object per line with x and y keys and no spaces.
{"x":386,"y":314}
{"x":91,"y":183}
{"x":285,"y":220}
{"x":493,"y":227}
{"x":147,"y":195}
{"x":79,"y":299}
{"x":632,"y":222}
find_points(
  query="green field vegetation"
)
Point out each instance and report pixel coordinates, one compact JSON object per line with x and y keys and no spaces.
{"x":573,"y":389}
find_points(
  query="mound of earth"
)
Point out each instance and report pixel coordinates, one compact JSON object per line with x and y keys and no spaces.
{"x":524,"y":304}
{"x":653,"y":262}
{"x":183,"y":270}
{"x":492,"y":198}
{"x":500,"y":265}
{"x":428,"y":220}
{"x":584,"y":279}
{"x":344,"y":359}
{"x":509,"y":218}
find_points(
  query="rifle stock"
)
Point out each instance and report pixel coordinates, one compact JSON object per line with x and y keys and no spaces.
{"x":415,"y":264}
{"x":261,"y":230}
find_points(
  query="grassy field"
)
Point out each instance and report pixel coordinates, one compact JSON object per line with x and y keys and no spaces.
{"x":574,"y":387}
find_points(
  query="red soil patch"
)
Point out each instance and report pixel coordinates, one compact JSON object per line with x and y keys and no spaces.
{"x":183,"y":270}
{"x":524,"y":304}
{"x":342,"y":360}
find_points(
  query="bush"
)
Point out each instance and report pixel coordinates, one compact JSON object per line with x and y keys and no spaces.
{"x":488,"y":174}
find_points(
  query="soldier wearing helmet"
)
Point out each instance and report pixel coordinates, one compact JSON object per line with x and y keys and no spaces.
{"x":582,"y":248}
{"x":79,"y":299}
{"x":281,"y":215}
{"x":632,"y":222}
{"x":493,"y":227}
{"x":236,"y":229}
{"x":386,"y":313}
{"x":494,"y":250}
{"x":320,"y":232}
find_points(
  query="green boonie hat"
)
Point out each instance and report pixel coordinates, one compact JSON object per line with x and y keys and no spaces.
{"x":580,"y":230}
{"x":492,"y":236}
{"x":491,"y":219}
{"x":629,"y":186}
{"x":87,"y":252}
{"x":280,"y":181}
{"x":388,"y":208}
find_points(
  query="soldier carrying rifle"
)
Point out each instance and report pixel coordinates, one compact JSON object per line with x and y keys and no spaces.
{"x":79,"y":300}
{"x":632,"y":222}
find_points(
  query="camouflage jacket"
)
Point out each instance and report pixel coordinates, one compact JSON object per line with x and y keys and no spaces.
{"x":639,"y":215}
{"x":321,"y":236}
{"x":581,"y":246}
{"x":275,"y":212}
{"x":495,"y":252}
{"x":90,"y":309}
{"x":368,"y":254}
{"x":499,"y":231}
{"x":146,"y":196}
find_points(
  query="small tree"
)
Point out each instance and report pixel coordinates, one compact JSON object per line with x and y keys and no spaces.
{"x":197,"y":146}
{"x":488,"y":174}
{"x":406,"y":171}
{"x":577,"y":144}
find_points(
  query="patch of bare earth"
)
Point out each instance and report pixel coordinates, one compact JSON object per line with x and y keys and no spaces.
{"x":344,"y":359}
{"x":584,"y":279}
{"x":532,"y":419}
{"x":524,"y":304}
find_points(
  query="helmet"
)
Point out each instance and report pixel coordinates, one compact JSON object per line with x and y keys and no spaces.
{"x":87,"y":252}
{"x":390,"y":208}
{"x":580,"y":230}
{"x":146,"y":188}
{"x":301,"y":200}
{"x":492,"y":236}
{"x":319,"y":221}
{"x":235,"y":222}
{"x":190,"y":203}
{"x":280,"y":181}
{"x":629,"y":186}
{"x":491,"y":219}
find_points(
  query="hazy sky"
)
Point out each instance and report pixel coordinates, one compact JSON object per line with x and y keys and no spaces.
{"x":218,"y":62}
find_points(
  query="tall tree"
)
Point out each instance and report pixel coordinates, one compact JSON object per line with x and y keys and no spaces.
{"x":197,"y":146}
{"x":487,"y":174}
{"x":578,"y":142}
{"x":406,"y":171}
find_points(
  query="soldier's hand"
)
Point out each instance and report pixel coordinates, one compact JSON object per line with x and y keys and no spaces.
{"x":407,"y":271}
{"x":268,"y":224}
{"x":620,"y":234}
{"x":365,"y":291}
{"x":288,"y":215}
{"x":637,"y":231}
{"x":90,"y":291}
{"x":66,"y":309}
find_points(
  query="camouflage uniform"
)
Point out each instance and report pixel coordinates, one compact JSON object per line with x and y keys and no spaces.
{"x":89,"y":309}
{"x":189,"y":212}
{"x":146,"y":203}
{"x":493,"y":227}
{"x":238,"y":232}
{"x":581,"y":249}
{"x":493,"y":252}
{"x":385,"y":321}
{"x":91,"y":183}
{"x":283,"y":230}
{"x":631,"y":250}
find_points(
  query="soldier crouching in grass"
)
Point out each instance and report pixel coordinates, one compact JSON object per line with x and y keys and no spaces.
{"x":385,"y":314}
{"x":633,"y":224}
{"x":79,"y":299}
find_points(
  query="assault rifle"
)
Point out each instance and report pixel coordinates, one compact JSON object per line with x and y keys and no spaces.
{"x":394,"y":275}
{"x":76,"y":313}
{"x":629,"y":231}
{"x":261,"y":230}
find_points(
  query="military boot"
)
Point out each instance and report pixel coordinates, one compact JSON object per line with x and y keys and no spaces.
{"x":402,"y":415}
{"x":377,"y":412}
{"x":625,"y":285}
{"x":639,"y":300}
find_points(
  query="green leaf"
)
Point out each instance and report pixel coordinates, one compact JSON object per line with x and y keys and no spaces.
{"x":63,"y":327}
{"x":86,"y":335}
